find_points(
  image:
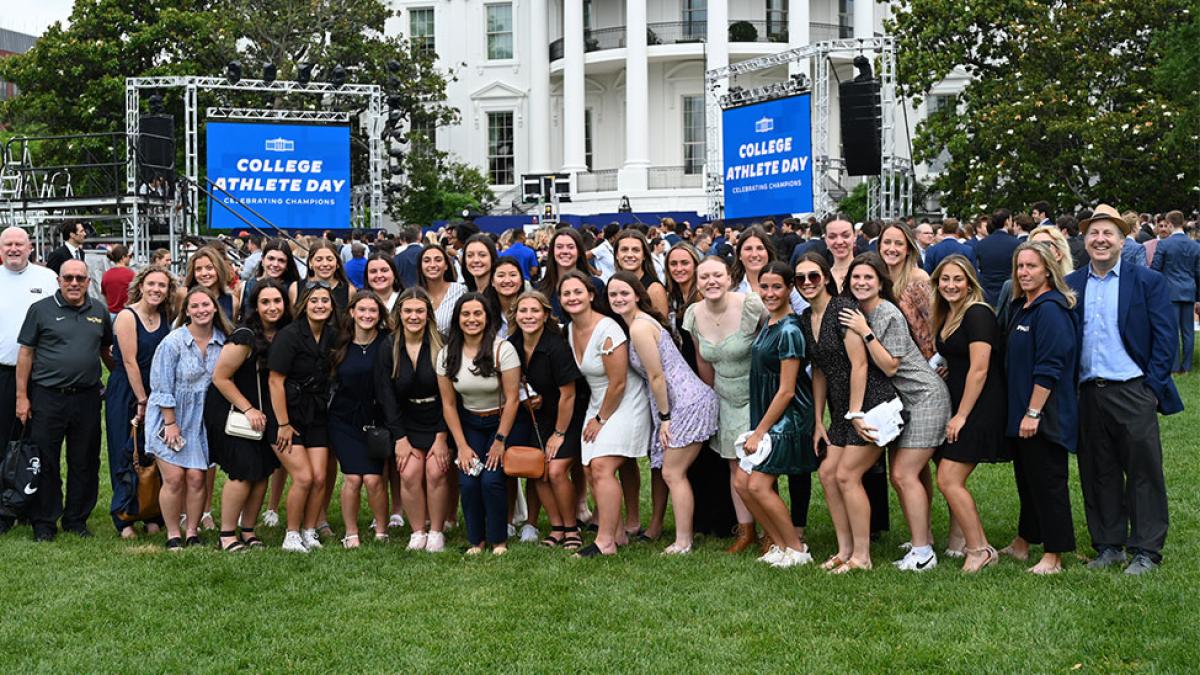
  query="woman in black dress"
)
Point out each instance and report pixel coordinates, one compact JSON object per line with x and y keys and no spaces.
{"x":324,"y":264}
{"x":299,"y":383}
{"x":550,"y":376}
{"x":969,"y":339}
{"x":846,"y":380}
{"x":240,"y":381}
{"x":353,"y":408}
{"x":407,"y":389}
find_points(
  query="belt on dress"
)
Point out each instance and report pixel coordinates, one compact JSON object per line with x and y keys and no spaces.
{"x":486,"y":413}
{"x":421,"y":401}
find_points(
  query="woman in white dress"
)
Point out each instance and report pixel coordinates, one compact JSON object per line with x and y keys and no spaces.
{"x":618,"y":425}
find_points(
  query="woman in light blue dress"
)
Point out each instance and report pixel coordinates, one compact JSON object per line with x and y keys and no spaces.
{"x":179,"y":378}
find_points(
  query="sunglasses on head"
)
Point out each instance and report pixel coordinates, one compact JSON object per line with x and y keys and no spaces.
{"x":810,"y":277}
{"x":318,"y":284}
{"x":74,"y":278}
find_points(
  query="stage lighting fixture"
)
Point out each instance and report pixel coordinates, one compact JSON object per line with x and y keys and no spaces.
{"x":304,"y":73}
{"x":863,"y":64}
{"x":338,"y":76}
{"x":233,"y":72}
{"x":156,"y":103}
{"x":269,"y":73}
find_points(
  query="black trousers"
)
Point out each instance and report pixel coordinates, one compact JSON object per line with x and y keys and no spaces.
{"x":1041,"y":470}
{"x":800,"y":491}
{"x":1121,"y":467}
{"x":709,"y":476}
{"x":75,"y":418}
{"x":875,"y":483}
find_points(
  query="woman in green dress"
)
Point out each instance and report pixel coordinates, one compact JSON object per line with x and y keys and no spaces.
{"x":723,"y":326}
{"x":781,"y":407}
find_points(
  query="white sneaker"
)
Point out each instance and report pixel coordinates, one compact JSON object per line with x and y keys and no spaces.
{"x":913,"y":562}
{"x":512,"y":530}
{"x":435,"y":542}
{"x":772,"y":556}
{"x":448,"y":525}
{"x":270,"y":518}
{"x":417,"y":541}
{"x":396,"y":520}
{"x":529,"y":534}
{"x":310,"y":539}
{"x":293,"y":543}
{"x":792,"y":558}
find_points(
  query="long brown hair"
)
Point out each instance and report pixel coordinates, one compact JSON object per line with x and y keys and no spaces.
{"x":738,"y":272}
{"x":554,"y":273}
{"x":647,"y":260}
{"x":675,"y":299}
{"x":167,"y":307}
{"x":220,"y":321}
{"x":347,"y":336}
{"x":431,"y":336}
{"x":946,"y":319}
{"x":871,"y":259}
{"x":643,"y":298}
{"x":339,"y":272}
{"x":218,"y":262}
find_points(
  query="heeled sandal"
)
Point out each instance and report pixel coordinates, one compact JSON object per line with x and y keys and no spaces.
{"x":991,"y":558}
{"x":233,"y":546}
{"x":571,"y":540}
{"x":550,"y":541}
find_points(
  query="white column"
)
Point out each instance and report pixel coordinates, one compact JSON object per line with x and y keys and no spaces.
{"x":574,"y":150}
{"x":633,"y":176}
{"x":539,"y":88}
{"x":864,"y":18}
{"x":717,"y":50}
{"x":798,"y":33}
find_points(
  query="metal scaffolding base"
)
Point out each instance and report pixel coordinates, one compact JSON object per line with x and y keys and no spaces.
{"x":890,"y":194}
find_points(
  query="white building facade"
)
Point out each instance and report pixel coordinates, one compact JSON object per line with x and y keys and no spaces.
{"x":611,"y":91}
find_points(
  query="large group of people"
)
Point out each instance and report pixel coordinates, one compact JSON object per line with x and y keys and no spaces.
{"x":726,"y":357}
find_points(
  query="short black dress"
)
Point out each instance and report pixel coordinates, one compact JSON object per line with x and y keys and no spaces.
{"x":240,"y":458}
{"x":354,"y":407}
{"x":305,"y":363}
{"x":411,"y":403}
{"x":828,"y":353}
{"x":552,"y":366}
{"x":982,"y":438}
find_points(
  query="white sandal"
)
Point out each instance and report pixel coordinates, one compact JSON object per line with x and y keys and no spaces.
{"x":350,"y":538}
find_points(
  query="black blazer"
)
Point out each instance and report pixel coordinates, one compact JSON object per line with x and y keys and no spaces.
{"x":57,"y":257}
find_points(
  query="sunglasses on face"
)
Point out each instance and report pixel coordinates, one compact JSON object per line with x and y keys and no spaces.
{"x":810,"y":277}
{"x":74,"y":278}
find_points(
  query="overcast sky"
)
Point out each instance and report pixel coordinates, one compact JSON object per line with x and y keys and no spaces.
{"x":33,"y":16}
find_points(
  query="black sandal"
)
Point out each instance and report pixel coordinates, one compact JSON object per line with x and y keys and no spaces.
{"x":550,"y":541}
{"x":251,"y":541}
{"x":639,"y":535}
{"x":571,"y":541}
{"x":193,"y":540}
{"x":233,"y":546}
{"x":174,"y":544}
{"x":589,"y":551}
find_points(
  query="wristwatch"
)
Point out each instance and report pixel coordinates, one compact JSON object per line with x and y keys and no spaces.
{"x":664,"y":416}
{"x":850,"y":416}
{"x":869,"y":338}
{"x":1033,"y":414}
{"x":501,"y":437}
{"x":560,"y":434}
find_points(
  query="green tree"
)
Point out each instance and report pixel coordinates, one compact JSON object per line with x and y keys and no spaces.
{"x":853,"y":206}
{"x":1063,"y":102}
{"x":437,"y":187}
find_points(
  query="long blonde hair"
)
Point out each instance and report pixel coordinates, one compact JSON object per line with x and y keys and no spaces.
{"x":911,"y":256}
{"x":1060,"y":244}
{"x":167,"y":308}
{"x":946,"y":317}
{"x":1054,"y":270}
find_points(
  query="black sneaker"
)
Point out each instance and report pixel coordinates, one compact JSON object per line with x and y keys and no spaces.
{"x":44,"y":535}
{"x":82,"y":532}
{"x":6,"y":524}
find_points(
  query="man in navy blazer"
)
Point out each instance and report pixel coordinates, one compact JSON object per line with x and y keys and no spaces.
{"x":1178,"y":258}
{"x":1124,"y":380}
{"x":993,"y":255}
{"x":408,"y":261}
{"x":947,"y":247}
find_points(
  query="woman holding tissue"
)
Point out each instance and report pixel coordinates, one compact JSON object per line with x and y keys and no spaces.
{"x":890,"y":346}
{"x":847,"y":380}
{"x":780,"y":409}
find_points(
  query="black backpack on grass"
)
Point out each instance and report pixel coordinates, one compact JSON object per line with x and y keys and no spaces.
{"x":20,"y":475}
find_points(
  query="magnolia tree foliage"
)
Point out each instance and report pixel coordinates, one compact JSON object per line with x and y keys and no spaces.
{"x":73,"y":80}
{"x":1068,"y":100}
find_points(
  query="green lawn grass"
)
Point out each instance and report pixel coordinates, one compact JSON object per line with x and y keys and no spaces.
{"x":107,"y":605}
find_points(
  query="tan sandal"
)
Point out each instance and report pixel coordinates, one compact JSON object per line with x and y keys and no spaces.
{"x":991,"y":557}
{"x":834,"y":562}
{"x":350,"y":541}
{"x":850,"y":566}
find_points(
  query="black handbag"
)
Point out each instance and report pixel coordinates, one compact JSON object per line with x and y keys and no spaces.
{"x":20,"y":475}
{"x":379,"y":442}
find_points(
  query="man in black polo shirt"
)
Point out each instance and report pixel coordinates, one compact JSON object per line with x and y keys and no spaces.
{"x":58,"y":395}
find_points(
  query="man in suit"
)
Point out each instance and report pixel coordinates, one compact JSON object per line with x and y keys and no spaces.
{"x":947,"y":247}
{"x":1132,"y":250}
{"x":1178,"y":258}
{"x":1040,"y":211}
{"x":994,"y":255}
{"x":73,"y":234}
{"x":408,"y":260}
{"x":1070,"y":230}
{"x":1124,"y":381}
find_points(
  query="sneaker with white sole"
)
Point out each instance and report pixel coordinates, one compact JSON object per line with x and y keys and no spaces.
{"x":270,"y":518}
{"x":773,"y":555}
{"x":310,"y":539}
{"x":529,"y":534}
{"x":417,"y":541}
{"x":512,"y":530}
{"x":294,"y":543}
{"x":914,"y":562}
{"x":396,"y":520}
{"x":435,"y":542}
{"x":792,"y":558}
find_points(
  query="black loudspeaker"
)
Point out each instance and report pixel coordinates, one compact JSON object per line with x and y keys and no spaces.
{"x":156,"y":148}
{"x":862,"y":122}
